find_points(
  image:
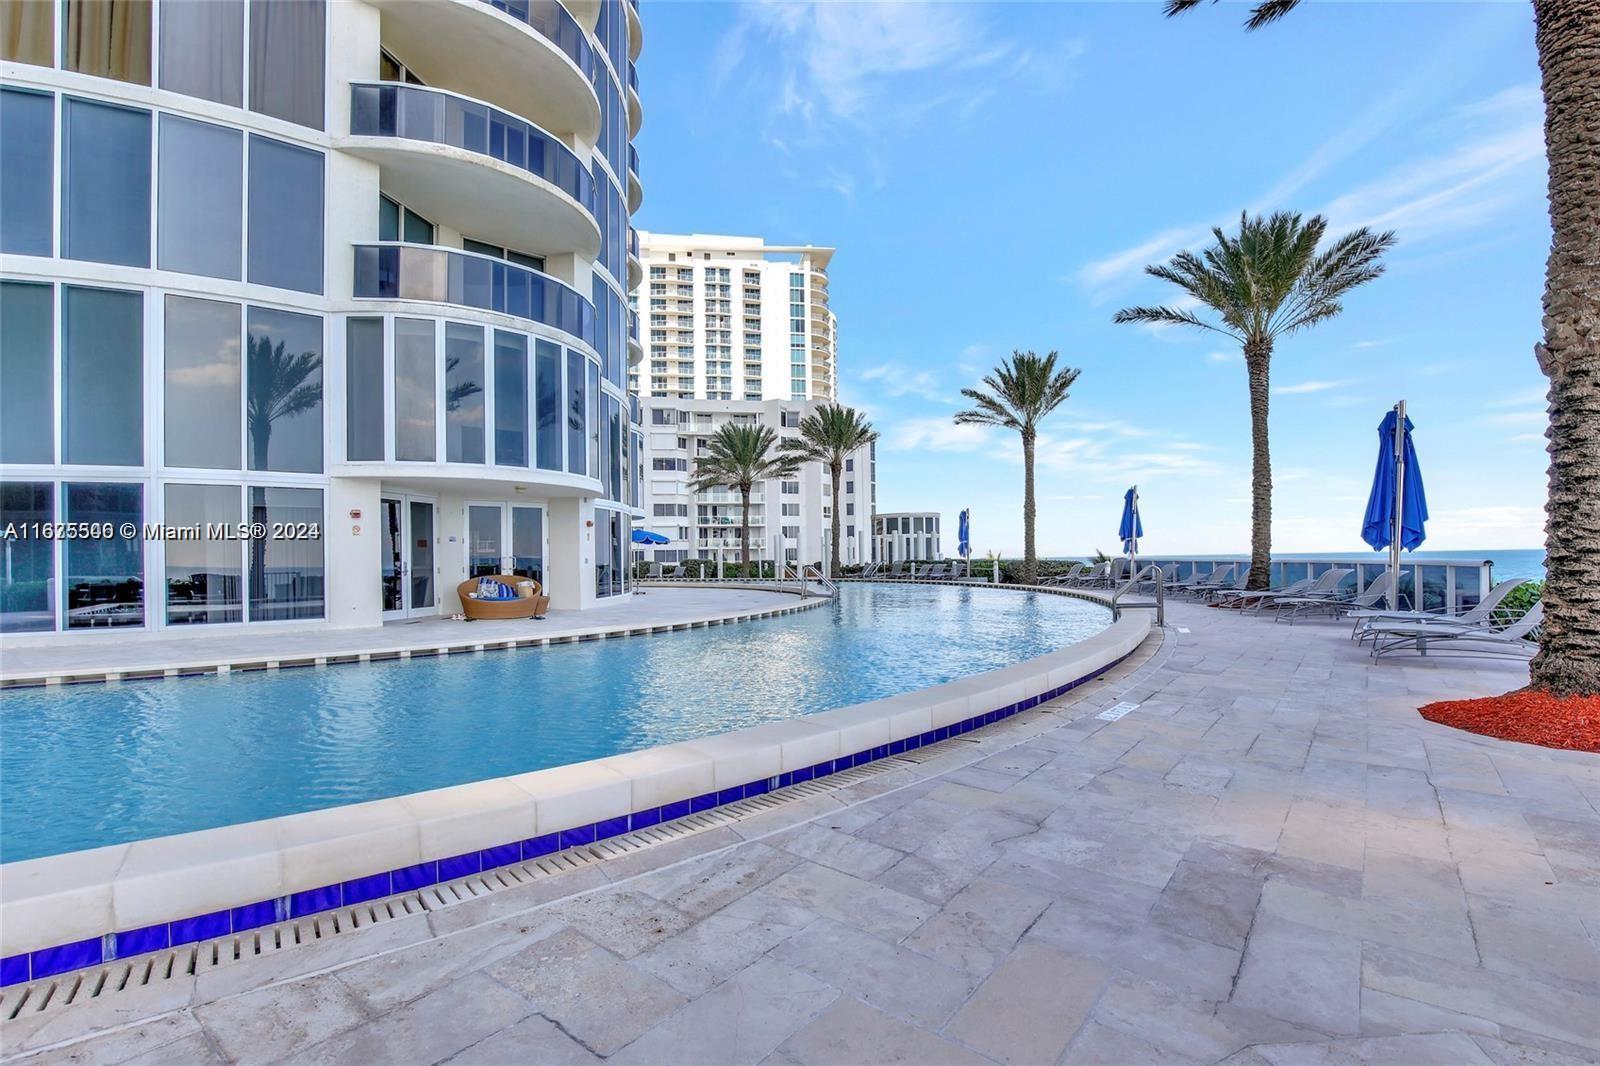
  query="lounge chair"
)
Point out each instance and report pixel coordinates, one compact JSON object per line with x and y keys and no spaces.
{"x":1198,"y":580}
{"x":527,"y":599}
{"x":1247,"y":597}
{"x":1336,"y":605}
{"x":1479,"y":614}
{"x":1325,"y":587}
{"x":1093,"y":577}
{"x":896,"y":571}
{"x":936,"y":572}
{"x":1444,"y":637}
{"x":1218,"y":579}
{"x":1067,"y":577}
{"x":1240,"y":580}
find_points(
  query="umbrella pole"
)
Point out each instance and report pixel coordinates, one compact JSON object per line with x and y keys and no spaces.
{"x":1399,"y":505}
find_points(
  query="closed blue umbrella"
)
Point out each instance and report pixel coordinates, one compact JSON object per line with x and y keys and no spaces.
{"x":644,"y":536}
{"x":1131,"y":528}
{"x":964,"y":547}
{"x":1397,"y":508}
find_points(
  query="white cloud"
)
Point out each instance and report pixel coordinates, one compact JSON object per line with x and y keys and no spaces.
{"x":1223,"y":357}
{"x":939,"y":435}
{"x":897,"y":379}
{"x":1303,"y":387}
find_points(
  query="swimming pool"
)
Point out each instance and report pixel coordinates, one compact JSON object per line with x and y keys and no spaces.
{"x":86,"y":766}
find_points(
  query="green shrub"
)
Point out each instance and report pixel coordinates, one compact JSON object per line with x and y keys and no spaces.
{"x":1521,"y":600}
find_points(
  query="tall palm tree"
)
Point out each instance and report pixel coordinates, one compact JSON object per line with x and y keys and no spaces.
{"x":1267,"y":282}
{"x":279,"y":386}
{"x":828,"y":436}
{"x":1567,"y":36}
{"x":739,"y":456}
{"x":1022,"y":390}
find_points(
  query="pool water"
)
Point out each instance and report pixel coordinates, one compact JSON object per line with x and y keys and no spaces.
{"x":84,"y":766}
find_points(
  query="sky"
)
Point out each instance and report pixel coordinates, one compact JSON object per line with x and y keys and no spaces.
{"x":997,"y":176}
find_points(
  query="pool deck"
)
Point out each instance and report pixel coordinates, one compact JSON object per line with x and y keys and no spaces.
{"x":92,"y":656}
{"x":1268,"y":858}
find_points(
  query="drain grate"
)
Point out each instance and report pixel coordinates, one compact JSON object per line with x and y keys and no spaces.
{"x":97,"y":982}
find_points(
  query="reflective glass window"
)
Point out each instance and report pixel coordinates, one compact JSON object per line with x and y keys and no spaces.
{"x":105,"y":184}
{"x":27,"y":373}
{"x":463,"y":393}
{"x":27,"y":582}
{"x":415,"y":388}
{"x":107,"y":38}
{"x":103,"y":377}
{"x":510,"y":399}
{"x":286,"y":573}
{"x":201,"y":372}
{"x":27,"y":168}
{"x":287,"y":58}
{"x":283,"y":399}
{"x":199,"y":228}
{"x":105,"y":575}
{"x":363,"y":364}
{"x":285,"y":215}
{"x":202,"y":49}
{"x":28,"y":32}
{"x":205,"y":573}
{"x":547,"y":406}
{"x":594,"y":420}
{"x":577,"y":412}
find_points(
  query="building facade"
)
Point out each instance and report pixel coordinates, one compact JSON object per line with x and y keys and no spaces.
{"x":906,"y":537}
{"x":312,"y":310}
{"x":733,"y":318}
{"x":798,"y":509}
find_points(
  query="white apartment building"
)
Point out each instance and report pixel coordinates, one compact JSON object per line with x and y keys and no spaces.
{"x":349,"y":273}
{"x":797,"y":509}
{"x":734,"y":318}
{"x":906,"y":536}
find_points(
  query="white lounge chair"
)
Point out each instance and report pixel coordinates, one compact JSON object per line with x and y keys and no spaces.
{"x":1480,"y":613}
{"x":1337,"y":604}
{"x":1446,"y":638}
{"x":1247,"y":597}
{"x":1324,"y":588}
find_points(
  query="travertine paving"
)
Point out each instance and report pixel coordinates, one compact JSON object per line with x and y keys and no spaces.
{"x":1272,"y":859}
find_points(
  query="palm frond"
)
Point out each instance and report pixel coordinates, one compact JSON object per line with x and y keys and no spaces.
{"x":1268,"y":12}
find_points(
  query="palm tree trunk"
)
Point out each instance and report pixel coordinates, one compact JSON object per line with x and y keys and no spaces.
{"x":744,"y":528}
{"x":1567,"y":33}
{"x":837,"y":470}
{"x":1030,"y":556}
{"x":1257,"y":361}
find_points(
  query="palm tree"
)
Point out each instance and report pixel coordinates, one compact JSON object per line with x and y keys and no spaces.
{"x":1567,"y":36}
{"x":828,"y":436}
{"x":279,"y":388}
{"x":739,"y":456}
{"x":1022,"y":390}
{"x":1267,"y":282}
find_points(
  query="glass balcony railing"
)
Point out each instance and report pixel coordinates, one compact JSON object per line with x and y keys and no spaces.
{"x":551,"y":21}
{"x":396,"y":271}
{"x":633,"y":242}
{"x":633,"y":160}
{"x":633,"y":78}
{"x":412,"y":112}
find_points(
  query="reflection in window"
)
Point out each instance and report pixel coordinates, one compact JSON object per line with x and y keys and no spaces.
{"x":27,"y":168}
{"x":27,"y":583}
{"x":396,"y":223}
{"x":199,"y":196}
{"x":510,"y":399}
{"x":108,"y":38}
{"x":102,"y":369}
{"x":27,"y":373}
{"x":28,"y":32}
{"x":577,"y":411}
{"x":285,"y":215}
{"x":283,"y":401}
{"x":463,"y":393}
{"x":363,"y":363}
{"x":202,"y":49}
{"x":201,"y":368}
{"x":105,"y":184}
{"x":205,"y":576}
{"x":415,"y":423}
{"x":105,"y":575}
{"x":286,"y":59}
{"x":594,"y":420}
{"x":547,"y":404}
{"x":286,"y":574}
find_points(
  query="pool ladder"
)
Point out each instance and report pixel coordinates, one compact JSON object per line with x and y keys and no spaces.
{"x":1159,"y":604}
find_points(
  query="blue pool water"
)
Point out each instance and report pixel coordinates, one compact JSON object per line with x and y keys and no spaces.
{"x":90,"y":765}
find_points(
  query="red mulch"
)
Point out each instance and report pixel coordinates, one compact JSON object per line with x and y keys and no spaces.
{"x":1526,"y":715}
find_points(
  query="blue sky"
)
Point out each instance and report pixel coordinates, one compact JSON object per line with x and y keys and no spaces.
{"x":995,"y":176}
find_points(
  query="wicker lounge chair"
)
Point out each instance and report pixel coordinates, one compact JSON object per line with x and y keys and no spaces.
{"x":529,"y":601}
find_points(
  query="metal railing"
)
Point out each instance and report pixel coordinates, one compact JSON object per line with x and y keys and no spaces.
{"x":1151,"y":575}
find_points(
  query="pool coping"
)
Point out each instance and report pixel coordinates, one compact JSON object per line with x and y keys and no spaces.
{"x":203,"y":666}
{"x":66,"y":912}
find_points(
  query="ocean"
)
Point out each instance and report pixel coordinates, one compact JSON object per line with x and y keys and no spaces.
{"x":1526,"y":563}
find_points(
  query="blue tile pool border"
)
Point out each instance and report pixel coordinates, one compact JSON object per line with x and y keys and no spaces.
{"x":64,"y":958}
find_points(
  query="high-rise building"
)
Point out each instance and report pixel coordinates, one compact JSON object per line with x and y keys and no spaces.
{"x":734,"y":318}
{"x":906,"y":537}
{"x":798,"y":509}
{"x":312,"y":310}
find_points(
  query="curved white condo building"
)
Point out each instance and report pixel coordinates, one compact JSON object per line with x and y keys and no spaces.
{"x":313,"y":310}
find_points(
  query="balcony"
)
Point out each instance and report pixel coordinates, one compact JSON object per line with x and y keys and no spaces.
{"x":397,"y":271}
{"x":528,"y":56}
{"x":475,"y":168}
{"x":635,"y":108}
{"x":635,"y":186}
{"x":635,"y":267}
{"x":635,"y":32}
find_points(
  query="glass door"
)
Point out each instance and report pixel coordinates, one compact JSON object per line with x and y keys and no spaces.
{"x":408,"y":573}
{"x":485,"y":538}
{"x":505,"y":539}
{"x":527,"y":542}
